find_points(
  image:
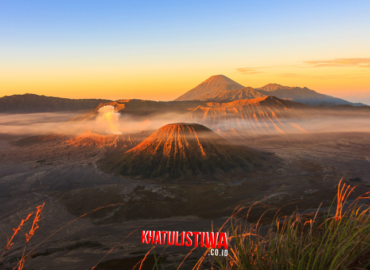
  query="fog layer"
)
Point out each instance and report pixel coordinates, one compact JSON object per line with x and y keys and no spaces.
{"x":109,"y":122}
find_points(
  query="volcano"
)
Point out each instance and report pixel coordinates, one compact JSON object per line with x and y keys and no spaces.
{"x":210,"y":88}
{"x":177,"y":150}
{"x":266,"y":115}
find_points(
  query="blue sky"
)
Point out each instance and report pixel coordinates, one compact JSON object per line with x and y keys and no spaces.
{"x":164,"y":48}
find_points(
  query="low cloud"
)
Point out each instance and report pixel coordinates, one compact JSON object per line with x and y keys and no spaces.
{"x":248,"y":71}
{"x":54,"y":123}
{"x":255,"y":70}
{"x":297,"y":75}
{"x":341,"y":62}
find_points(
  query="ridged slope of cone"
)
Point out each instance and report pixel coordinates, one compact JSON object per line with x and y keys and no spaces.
{"x":181,"y":149}
{"x":252,"y":116}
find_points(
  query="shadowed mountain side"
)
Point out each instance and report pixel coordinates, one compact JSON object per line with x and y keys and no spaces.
{"x":210,"y":88}
{"x":260,"y":115}
{"x":30,"y":103}
{"x":181,"y":149}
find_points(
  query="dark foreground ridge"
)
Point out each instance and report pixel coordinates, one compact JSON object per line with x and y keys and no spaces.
{"x":181,"y":149}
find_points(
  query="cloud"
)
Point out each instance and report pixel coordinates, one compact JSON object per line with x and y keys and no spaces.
{"x":256,"y":70}
{"x":324,"y":77}
{"x":297,"y":75}
{"x":248,"y":70}
{"x":341,"y":62}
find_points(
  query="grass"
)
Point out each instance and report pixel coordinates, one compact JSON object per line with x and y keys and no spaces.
{"x":320,"y":241}
{"x":34,"y":227}
{"x":326,"y":240}
{"x":29,"y":234}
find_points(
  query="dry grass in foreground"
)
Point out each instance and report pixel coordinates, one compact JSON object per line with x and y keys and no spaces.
{"x":34,"y":228}
{"x":29,"y":234}
{"x":321,"y":241}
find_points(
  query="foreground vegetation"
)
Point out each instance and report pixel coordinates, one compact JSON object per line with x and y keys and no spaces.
{"x":337,"y":238}
{"x":340,"y":240}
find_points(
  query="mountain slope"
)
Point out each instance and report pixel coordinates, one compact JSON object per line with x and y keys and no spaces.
{"x":29,"y":103}
{"x":244,"y":93}
{"x":209,"y":88}
{"x":181,"y":149}
{"x":274,"y":86}
{"x":303,"y":95}
{"x":260,"y":115}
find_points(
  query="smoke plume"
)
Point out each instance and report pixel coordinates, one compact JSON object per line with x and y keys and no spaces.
{"x":107,"y":120}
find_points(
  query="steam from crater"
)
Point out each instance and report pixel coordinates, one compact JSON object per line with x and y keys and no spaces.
{"x":107,"y":120}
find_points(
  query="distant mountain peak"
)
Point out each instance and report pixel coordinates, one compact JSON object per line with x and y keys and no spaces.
{"x":219,"y":79}
{"x":210,"y":87}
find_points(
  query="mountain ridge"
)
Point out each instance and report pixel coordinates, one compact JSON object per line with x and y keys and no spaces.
{"x":222,"y":88}
{"x":306,"y":96}
{"x":273,"y":87}
{"x":31,"y":103}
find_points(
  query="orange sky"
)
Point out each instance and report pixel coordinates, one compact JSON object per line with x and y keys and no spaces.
{"x":166,"y":84}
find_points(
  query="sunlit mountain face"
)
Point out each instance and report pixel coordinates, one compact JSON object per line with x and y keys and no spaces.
{"x":182,"y":149}
{"x":91,"y":139}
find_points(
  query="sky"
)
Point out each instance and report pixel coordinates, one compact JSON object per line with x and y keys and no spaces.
{"x":158,"y":50}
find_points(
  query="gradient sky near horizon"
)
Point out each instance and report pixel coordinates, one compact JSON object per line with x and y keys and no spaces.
{"x":160,"y":49}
